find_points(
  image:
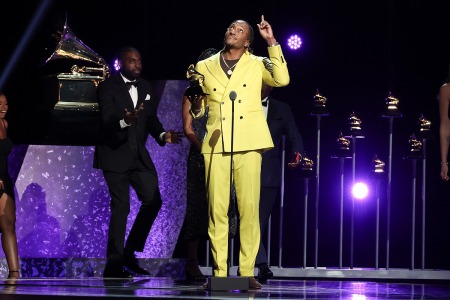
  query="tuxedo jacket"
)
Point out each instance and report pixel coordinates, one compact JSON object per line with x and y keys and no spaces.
{"x":281,"y":122}
{"x":250,"y":126}
{"x":113,"y":152}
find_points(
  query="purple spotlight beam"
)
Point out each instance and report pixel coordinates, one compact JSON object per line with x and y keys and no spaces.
{"x":116,"y":65}
{"x":294,"y":42}
{"x":360,"y":190}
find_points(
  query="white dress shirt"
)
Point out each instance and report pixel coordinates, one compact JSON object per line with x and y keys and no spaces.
{"x":266,"y":108}
{"x":134,"y":96}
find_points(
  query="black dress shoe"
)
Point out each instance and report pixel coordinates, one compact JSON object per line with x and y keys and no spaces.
{"x":116,"y":271}
{"x":132,"y":264}
{"x":264,"y":273}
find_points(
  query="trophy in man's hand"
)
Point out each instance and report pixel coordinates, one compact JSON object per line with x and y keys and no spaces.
{"x":195,"y":83}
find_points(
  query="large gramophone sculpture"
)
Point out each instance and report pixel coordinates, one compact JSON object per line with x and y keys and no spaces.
{"x":75,"y":90}
{"x":196,"y":80}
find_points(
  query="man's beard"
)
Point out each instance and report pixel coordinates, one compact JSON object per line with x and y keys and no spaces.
{"x":131,"y":74}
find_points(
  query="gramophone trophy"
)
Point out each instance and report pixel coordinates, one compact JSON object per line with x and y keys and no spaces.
{"x":306,"y":167}
{"x":343,"y":150}
{"x":415,"y":148}
{"x":354,"y":128}
{"x":378,"y":168}
{"x":392,"y":107}
{"x":319,"y":105}
{"x":196,"y":80}
{"x":75,"y":90}
{"x":425,"y":131}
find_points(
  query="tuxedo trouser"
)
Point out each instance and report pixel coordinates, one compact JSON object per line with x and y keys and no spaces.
{"x":145,"y":183}
{"x":247,"y":179}
{"x":268,"y":197}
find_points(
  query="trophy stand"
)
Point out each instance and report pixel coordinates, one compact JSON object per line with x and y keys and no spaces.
{"x":319,"y":110}
{"x":229,"y":283}
{"x":414,"y":154}
{"x":306,"y":173}
{"x":355,"y":132}
{"x":280,"y":236}
{"x":391,"y":112}
{"x":343,"y":152}
{"x":424,"y":134}
{"x":378,"y":175}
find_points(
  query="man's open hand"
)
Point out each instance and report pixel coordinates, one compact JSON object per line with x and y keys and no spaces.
{"x":131,"y":116}
{"x":173,"y":137}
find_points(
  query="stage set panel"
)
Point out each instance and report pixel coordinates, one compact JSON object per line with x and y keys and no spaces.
{"x":62,"y":202}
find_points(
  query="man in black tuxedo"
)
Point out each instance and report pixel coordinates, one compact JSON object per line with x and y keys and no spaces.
{"x":129,"y":114}
{"x":281,"y":122}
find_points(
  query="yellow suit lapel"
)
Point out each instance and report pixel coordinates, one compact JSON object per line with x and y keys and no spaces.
{"x":244,"y":63}
{"x":213,"y":66}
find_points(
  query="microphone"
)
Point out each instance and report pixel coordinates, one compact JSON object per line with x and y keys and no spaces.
{"x":233,"y":95}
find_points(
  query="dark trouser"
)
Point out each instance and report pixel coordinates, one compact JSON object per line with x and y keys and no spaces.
{"x":267,"y":199}
{"x":145,"y":183}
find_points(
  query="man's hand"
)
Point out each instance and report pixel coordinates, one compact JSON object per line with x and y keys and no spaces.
{"x":266,"y":32}
{"x":173,"y":137}
{"x":131,"y":116}
{"x":444,"y":172}
{"x":2,"y":185}
{"x":295,"y":160}
{"x":196,"y":103}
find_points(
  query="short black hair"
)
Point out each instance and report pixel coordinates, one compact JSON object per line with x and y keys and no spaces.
{"x":207,"y":54}
{"x":124,"y":50}
{"x":250,"y":35}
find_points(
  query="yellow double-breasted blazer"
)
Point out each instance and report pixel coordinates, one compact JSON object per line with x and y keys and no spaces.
{"x":250,"y":126}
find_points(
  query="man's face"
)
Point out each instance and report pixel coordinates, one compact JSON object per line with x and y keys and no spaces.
{"x":265,"y":91}
{"x":130,"y":65}
{"x":236,"y":36}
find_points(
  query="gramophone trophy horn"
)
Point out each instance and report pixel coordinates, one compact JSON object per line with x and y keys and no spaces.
{"x":70,"y":46}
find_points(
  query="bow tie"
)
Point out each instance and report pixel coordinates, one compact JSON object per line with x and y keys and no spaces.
{"x":130,"y":83}
{"x":264,"y":103}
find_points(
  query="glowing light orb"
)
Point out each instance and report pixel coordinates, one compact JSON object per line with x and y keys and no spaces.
{"x":360,"y":190}
{"x":294,"y":42}
{"x":116,"y":65}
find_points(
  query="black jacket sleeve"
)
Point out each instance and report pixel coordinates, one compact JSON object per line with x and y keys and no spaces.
{"x":107,"y":108}
{"x":291,"y":131}
{"x":153,"y":125}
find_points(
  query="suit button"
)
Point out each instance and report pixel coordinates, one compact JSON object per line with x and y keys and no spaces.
{"x":245,"y":85}
{"x":214,"y":90}
{"x":223,"y":102}
{"x":240,"y":101}
{"x":242,"y":117}
{"x":223,"y":119}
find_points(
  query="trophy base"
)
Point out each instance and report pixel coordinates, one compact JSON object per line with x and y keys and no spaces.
{"x":378,"y":176}
{"x":425,"y":135}
{"x":358,"y":133}
{"x":194,"y":91}
{"x":318,"y":110}
{"x":392,"y":113}
{"x":307,"y":174}
{"x":342,"y":153}
{"x":414,"y":156}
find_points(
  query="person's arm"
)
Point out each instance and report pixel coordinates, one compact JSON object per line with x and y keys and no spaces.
{"x":187,"y":125}
{"x":274,"y":71}
{"x":444,"y":131}
{"x":107,"y":109}
{"x":290,"y":129}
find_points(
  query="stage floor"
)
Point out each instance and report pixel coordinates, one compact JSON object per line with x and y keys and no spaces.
{"x":165,"y":288}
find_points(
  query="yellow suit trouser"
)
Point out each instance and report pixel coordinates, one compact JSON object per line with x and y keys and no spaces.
{"x":247,"y":178}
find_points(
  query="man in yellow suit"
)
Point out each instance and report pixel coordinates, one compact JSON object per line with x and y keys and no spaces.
{"x":235,"y":68}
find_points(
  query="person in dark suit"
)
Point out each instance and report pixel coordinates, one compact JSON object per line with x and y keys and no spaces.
{"x":281,"y":122}
{"x":129,"y":114}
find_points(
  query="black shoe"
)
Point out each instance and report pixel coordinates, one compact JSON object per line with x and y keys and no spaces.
{"x":264,"y":273}
{"x":116,"y":271}
{"x":132,"y":264}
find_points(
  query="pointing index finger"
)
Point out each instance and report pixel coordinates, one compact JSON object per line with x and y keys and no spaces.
{"x":262,"y":18}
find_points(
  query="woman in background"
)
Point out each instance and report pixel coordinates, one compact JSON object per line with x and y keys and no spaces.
{"x":7,"y":202}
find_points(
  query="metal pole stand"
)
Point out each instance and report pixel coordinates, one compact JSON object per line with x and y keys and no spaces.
{"x":318,"y":115}
{"x":424,"y":134}
{"x":280,"y":237}
{"x":415,"y":154}
{"x":342,"y":155}
{"x":306,"y":173}
{"x":229,"y":283}
{"x":391,"y":117}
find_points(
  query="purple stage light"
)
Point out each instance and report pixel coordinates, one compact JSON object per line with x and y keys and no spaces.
{"x":360,"y":190}
{"x":116,"y":65}
{"x":294,"y":42}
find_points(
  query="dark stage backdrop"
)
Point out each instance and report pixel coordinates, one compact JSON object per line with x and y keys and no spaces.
{"x":353,"y":51}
